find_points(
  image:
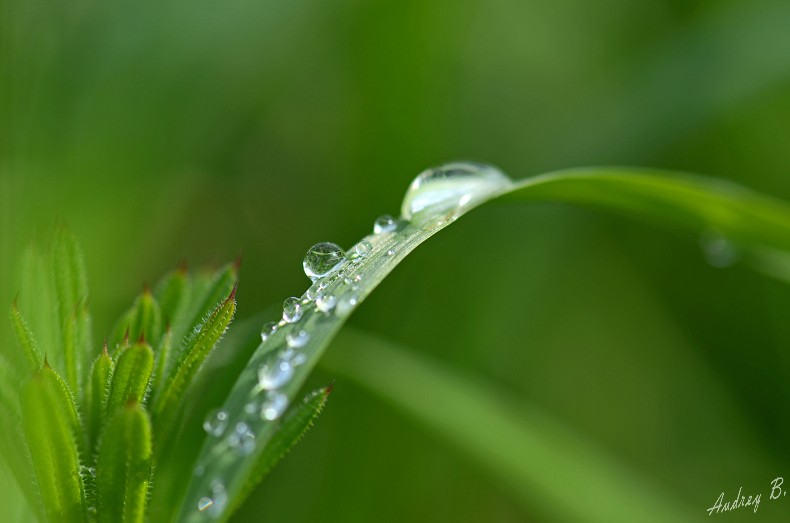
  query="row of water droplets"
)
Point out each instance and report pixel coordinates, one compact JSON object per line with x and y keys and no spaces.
{"x":437,"y":195}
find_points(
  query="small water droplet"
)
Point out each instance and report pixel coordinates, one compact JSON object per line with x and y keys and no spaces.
{"x":297,"y":339}
{"x":216,"y":422}
{"x":268,"y":329}
{"x":452,"y":187}
{"x":719,"y":251}
{"x":322,"y":259}
{"x":361,"y":250}
{"x":274,"y":406}
{"x":299,"y":359}
{"x":250,"y":408}
{"x":242,"y":439}
{"x":391,"y":252}
{"x":384,"y":224}
{"x":346,"y":304}
{"x":276,"y":374}
{"x":325,"y":303}
{"x":292,"y":310}
{"x":214,"y":504}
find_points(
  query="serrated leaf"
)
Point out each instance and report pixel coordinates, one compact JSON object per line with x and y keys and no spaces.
{"x":692,"y":203}
{"x":52,"y":430}
{"x":199,"y":345}
{"x":131,"y":376}
{"x":71,"y":291}
{"x":208,"y":292}
{"x":123,"y":466}
{"x":99,"y":385}
{"x":27,"y":343}
{"x":291,"y":430}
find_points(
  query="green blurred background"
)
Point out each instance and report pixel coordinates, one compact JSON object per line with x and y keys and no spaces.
{"x":198,"y":130}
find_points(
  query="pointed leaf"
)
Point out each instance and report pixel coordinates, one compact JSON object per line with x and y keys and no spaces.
{"x":28,"y":344}
{"x":123,"y":466}
{"x":173,"y":294}
{"x":96,"y":397}
{"x":51,"y":427}
{"x":131,"y":375}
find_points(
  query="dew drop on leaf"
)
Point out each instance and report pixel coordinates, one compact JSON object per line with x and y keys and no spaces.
{"x":322,"y":259}
{"x":325,"y":303}
{"x":451,"y":187}
{"x":268,"y":329}
{"x":292,"y":310}
{"x":276,"y":374}
{"x":274,"y":406}
{"x":384,"y":224}
{"x":297,"y":339}
{"x":216,"y":422}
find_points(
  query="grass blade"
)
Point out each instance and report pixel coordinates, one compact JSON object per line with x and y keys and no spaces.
{"x":123,"y":466}
{"x":515,"y":445}
{"x":71,"y":291}
{"x":143,"y":319}
{"x":51,"y":428}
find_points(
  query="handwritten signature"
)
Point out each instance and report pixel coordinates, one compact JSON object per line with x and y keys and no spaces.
{"x":742,"y":500}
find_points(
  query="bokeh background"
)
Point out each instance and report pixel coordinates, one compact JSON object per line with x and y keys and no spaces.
{"x":196,"y":130}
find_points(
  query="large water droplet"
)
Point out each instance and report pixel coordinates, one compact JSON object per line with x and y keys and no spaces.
{"x":322,"y":259}
{"x":274,"y":406}
{"x":361,"y":250}
{"x":216,"y":422}
{"x":292,"y":310}
{"x":275,"y":374}
{"x":452,"y":187}
{"x":384,"y":224}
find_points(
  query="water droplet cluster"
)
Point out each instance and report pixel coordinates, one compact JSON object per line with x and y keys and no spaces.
{"x":336,"y":290}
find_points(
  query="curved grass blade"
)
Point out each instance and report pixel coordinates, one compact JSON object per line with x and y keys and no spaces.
{"x":123,"y":466}
{"x":515,"y":445}
{"x":131,"y":376}
{"x":51,"y":428}
{"x":692,"y":203}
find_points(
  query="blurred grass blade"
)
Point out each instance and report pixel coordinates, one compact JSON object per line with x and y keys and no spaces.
{"x":123,"y":466}
{"x":71,"y":290}
{"x":162,"y":357}
{"x":513,"y":443}
{"x":144,"y":319}
{"x":96,"y":397}
{"x":37,"y":297}
{"x":28,"y":344}
{"x":292,"y":429}
{"x":692,"y":203}
{"x":131,"y":375}
{"x":173,"y":293}
{"x":688,"y":202}
{"x":51,"y":427}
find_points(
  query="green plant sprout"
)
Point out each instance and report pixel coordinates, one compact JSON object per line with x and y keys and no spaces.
{"x":125,"y":432}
